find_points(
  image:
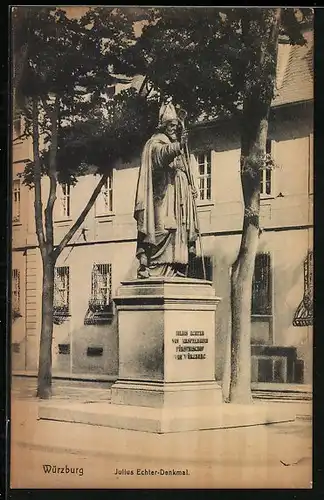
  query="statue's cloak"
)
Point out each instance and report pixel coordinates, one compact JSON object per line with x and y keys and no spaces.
{"x":144,"y":204}
{"x":155,"y":185}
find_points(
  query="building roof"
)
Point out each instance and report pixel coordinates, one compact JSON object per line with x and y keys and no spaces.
{"x":295,"y":79}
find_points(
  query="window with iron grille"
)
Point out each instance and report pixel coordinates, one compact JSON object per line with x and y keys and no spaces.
{"x":62,"y":291}
{"x":16,"y":201}
{"x":100,"y":309}
{"x":266,"y":175}
{"x":101,"y":285}
{"x":65,"y":200}
{"x":15,"y":292}
{"x":104,"y":202}
{"x":196,"y":268}
{"x":261,"y":286}
{"x":304,"y":313}
{"x":204,"y":175}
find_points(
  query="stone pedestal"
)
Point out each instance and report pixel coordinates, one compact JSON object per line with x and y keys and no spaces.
{"x":166,"y":329}
{"x":166,"y":380}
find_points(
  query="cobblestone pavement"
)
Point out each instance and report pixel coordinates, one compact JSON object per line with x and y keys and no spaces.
{"x":25,"y":388}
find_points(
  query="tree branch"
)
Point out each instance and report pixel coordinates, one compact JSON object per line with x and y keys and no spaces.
{"x":271,"y":43}
{"x":276,"y":24}
{"x":19,"y":138}
{"x":38,"y":205}
{"x":69,"y":235}
{"x":144,"y":82}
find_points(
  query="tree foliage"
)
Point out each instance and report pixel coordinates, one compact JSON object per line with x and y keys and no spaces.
{"x":75,"y":61}
{"x":115,"y":132}
{"x":204,"y":59}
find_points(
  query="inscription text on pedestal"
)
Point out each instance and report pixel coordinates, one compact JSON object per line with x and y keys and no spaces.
{"x":190,"y":344}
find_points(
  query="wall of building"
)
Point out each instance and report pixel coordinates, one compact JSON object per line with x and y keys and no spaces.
{"x":288,"y":251}
{"x":25,"y":323}
{"x":286,"y":216}
{"x":74,"y":331}
{"x":18,"y":329}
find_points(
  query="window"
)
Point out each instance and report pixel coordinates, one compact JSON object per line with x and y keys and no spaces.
{"x":304,"y":313}
{"x":17,"y":122}
{"x":16,"y":201}
{"x":15,"y":292}
{"x":101,"y":285}
{"x":104,"y":200}
{"x":196,"y":268}
{"x":204,"y":175}
{"x":62,"y":291}
{"x":261,"y":286}
{"x":100,"y":304}
{"x":274,"y":363}
{"x":64,"y":348}
{"x":266,"y":174}
{"x":65,"y":200}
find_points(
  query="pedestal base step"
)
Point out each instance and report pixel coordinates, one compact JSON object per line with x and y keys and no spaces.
{"x":163,"y":395}
{"x":162,"y":421}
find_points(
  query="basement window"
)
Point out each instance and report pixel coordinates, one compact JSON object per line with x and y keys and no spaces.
{"x":64,"y":348}
{"x":94,"y":351}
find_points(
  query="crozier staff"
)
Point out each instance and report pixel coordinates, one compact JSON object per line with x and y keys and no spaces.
{"x":167,"y":222}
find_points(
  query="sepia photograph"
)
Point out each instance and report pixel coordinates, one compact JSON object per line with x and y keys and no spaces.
{"x":161,"y":326}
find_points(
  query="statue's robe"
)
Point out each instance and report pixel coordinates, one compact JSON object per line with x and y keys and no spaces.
{"x":164,"y":207}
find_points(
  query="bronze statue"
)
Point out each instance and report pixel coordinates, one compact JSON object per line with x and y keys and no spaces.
{"x":165,"y":208}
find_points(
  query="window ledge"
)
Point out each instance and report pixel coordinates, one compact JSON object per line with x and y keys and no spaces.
{"x":266,"y":197}
{"x":205,"y":203}
{"x":104,"y":217}
{"x":62,"y":220}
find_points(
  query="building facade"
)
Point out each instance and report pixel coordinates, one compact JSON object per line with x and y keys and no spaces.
{"x":102,"y":253}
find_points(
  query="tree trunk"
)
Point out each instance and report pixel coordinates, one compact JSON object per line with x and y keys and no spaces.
{"x":44,"y":388}
{"x":256,"y":108}
{"x":49,"y":258}
{"x":46,"y":242}
{"x":242,"y":271}
{"x":241,"y":285}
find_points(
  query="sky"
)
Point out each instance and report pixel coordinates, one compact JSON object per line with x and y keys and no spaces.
{"x":81,"y":10}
